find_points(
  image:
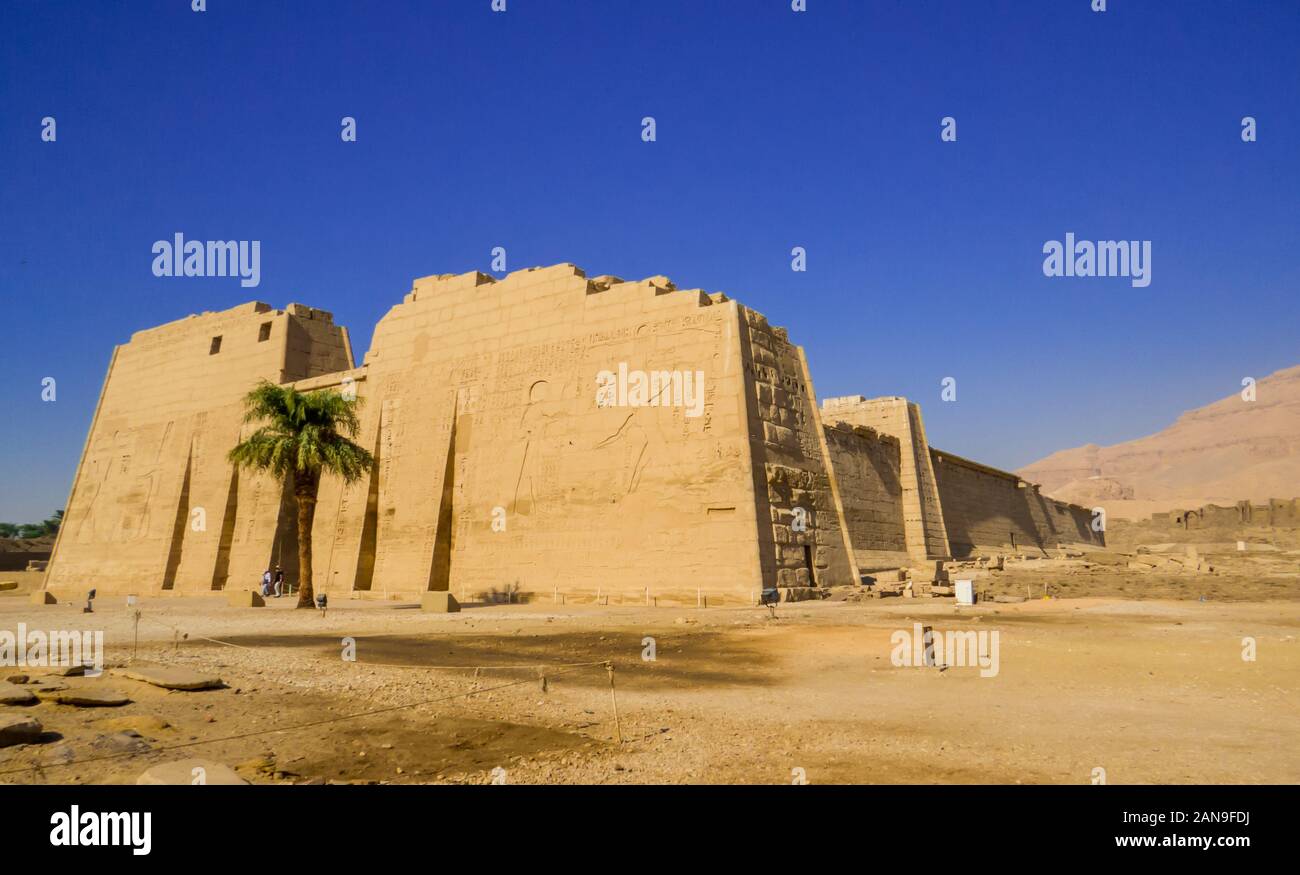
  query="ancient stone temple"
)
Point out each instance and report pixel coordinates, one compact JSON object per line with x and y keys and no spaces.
{"x":547,"y":434}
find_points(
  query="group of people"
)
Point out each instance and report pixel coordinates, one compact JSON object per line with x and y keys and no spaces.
{"x":273,"y":585}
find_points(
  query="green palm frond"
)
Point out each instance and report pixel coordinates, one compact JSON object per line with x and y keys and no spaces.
{"x":302,"y":434}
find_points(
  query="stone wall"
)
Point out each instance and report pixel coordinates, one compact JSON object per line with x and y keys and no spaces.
{"x":987,"y":510}
{"x":498,"y":471}
{"x":923,"y":518}
{"x":950,"y":506}
{"x":804,"y":543}
{"x":1277,"y":512}
{"x":155,"y":505}
{"x":547,"y":435}
{"x":1070,"y":524}
{"x":984,"y":508}
{"x":867,"y":465}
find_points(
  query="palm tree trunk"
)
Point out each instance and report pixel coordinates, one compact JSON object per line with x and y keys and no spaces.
{"x":304,"y":490}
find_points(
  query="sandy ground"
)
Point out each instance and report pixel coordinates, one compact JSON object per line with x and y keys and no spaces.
{"x":1152,"y":691}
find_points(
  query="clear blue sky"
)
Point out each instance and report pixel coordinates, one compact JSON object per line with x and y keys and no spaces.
{"x":775,"y":129}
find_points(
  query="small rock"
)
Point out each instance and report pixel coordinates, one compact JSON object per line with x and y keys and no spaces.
{"x":71,"y":671}
{"x":12,"y":694}
{"x":89,"y":697}
{"x":170,"y":677}
{"x":257,"y":764}
{"x":19,"y":730}
{"x":17,"y":679}
{"x":122,"y":742}
{"x":183,"y":772}
{"x":138,"y":723}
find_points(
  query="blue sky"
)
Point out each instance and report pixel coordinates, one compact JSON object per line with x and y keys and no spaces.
{"x":775,"y":129}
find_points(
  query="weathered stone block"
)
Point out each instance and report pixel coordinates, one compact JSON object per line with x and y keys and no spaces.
{"x":18,"y":729}
{"x":91,"y":697}
{"x":439,"y":603}
{"x":12,"y":694}
{"x":170,"y":677}
{"x":245,"y":598}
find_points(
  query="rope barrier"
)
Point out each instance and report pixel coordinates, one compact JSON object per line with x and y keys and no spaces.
{"x":177,"y":630}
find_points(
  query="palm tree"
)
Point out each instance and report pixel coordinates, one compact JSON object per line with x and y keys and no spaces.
{"x":306,"y":435}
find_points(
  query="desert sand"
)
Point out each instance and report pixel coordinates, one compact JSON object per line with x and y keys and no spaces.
{"x":1151,"y":690}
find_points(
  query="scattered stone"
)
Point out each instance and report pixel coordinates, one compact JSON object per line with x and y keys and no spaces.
{"x":257,"y":764}
{"x":12,"y":694}
{"x":69,"y":671}
{"x":46,"y":688}
{"x":170,"y":677}
{"x":88,"y":697}
{"x":17,"y":679}
{"x":144,"y":724}
{"x":19,"y":730}
{"x":128,"y":741}
{"x":8,"y":585}
{"x":183,"y":772}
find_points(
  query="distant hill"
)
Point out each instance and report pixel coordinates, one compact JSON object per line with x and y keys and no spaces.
{"x":1221,"y":453}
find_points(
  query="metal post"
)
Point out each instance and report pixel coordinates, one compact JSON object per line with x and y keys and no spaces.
{"x":618,"y":726}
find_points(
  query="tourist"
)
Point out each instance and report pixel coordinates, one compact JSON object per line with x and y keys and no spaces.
{"x":266,"y":582}
{"x":279,"y":582}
